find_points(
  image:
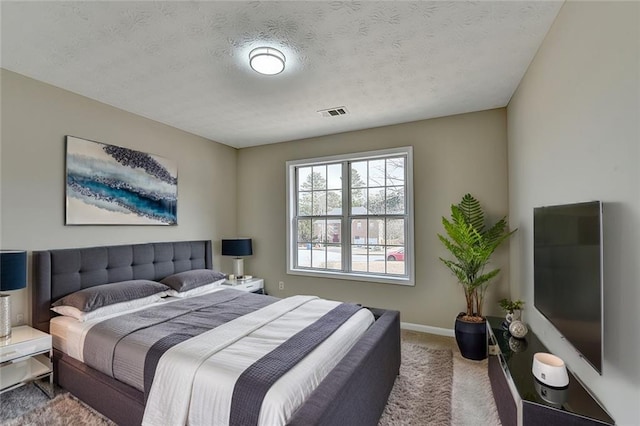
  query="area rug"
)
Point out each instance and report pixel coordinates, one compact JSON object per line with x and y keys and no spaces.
{"x":63,"y":410}
{"x":421,"y":394}
{"x":472,"y":400}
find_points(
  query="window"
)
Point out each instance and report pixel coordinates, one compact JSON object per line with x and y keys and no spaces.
{"x":351,"y":216}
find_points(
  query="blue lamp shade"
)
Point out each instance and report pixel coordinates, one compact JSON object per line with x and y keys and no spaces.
{"x":237,"y":247}
{"x":13,"y":270}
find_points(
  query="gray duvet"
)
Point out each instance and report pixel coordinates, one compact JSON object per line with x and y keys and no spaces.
{"x":129,"y":347}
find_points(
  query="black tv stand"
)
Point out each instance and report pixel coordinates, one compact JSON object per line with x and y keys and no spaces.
{"x":521,"y":399}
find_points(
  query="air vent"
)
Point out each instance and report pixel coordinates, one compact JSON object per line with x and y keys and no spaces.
{"x":333,"y":112}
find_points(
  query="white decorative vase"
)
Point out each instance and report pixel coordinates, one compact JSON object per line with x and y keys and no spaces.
{"x":512,"y":316}
{"x":550,"y":370}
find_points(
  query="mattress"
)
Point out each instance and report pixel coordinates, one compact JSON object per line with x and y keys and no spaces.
{"x":217,"y":376}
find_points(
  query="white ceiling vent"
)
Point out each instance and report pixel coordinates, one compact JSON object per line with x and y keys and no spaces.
{"x":333,"y":112}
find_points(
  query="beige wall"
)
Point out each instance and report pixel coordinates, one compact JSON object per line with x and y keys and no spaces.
{"x":574,"y":135}
{"x":35,"y":119}
{"x":452,"y":156}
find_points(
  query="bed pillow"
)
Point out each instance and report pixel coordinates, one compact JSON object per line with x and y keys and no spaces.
{"x":91,"y":298}
{"x":188,"y":280}
{"x":207,"y":288}
{"x":116,"y":308}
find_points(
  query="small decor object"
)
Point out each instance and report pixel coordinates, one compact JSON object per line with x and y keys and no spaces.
{"x":550,"y":370}
{"x":518,"y":329}
{"x":511,"y":308}
{"x":237,"y":247}
{"x":111,"y":185}
{"x":472,"y":244}
{"x":13,"y":276}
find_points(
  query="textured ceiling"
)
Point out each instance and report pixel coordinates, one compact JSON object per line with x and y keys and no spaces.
{"x":186,"y":63}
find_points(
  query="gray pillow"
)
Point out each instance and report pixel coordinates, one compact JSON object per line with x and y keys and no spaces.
{"x":92,"y":298}
{"x":188,"y":280}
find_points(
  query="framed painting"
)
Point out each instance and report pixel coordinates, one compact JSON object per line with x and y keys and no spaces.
{"x":112,"y":185}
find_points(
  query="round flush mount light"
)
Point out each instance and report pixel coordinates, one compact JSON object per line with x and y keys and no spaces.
{"x":267,"y":60}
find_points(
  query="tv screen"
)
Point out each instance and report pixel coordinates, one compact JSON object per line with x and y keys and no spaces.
{"x":568,"y":274}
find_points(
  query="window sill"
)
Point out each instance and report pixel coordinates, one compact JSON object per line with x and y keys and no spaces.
{"x":405,"y":281}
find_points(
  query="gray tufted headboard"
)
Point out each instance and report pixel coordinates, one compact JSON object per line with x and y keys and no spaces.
{"x":61,"y":272}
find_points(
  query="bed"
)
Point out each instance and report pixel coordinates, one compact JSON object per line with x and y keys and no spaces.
{"x":354,"y":392}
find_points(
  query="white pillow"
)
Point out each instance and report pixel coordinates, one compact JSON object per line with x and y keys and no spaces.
{"x":196,"y":291}
{"x":70,"y":311}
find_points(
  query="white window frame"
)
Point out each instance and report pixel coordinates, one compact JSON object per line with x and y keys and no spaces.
{"x":409,"y":278}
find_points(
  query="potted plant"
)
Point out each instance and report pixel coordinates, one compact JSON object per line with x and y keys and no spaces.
{"x":471,"y":244}
{"x":511,"y":309}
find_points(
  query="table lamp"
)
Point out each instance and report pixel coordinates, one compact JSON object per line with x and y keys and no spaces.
{"x":237,"y":247}
{"x":13,"y":276}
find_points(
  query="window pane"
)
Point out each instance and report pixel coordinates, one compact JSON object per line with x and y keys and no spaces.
{"x":304,"y":255}
{"x":319,"y":256}
{"x":395,"y":171}
{"x":376,"y":201}
{"x":395,"y":200}
{"x":334,"y":230}
{"x":320,"y":177}
{"x":359,"y":258}
{"x":396,"y":261}
{"x":319,"y":231}
{"x":359,"y":232}
{"x":304,"y":179}
{"x":334,"y":202}
{"x":358,"y":201}
{"x":304,"y":230}
{"x":319,"y":203}
{"x":395,"y":232}
{"x":376,"y":232}
{"x":395,"y":254}
{"x":376,"y":259}
{"x":334,"y":257}
{"x":376,"y":173}
{"x":334,"y":176}
{"x":304,"y":204}
{"x":359,"y":174}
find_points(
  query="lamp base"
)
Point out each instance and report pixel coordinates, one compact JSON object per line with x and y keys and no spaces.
{"x":5,"y":316}
{"x":238,"y":267}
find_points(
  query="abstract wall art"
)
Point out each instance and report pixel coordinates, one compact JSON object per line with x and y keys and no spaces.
{"x":111,"y":185}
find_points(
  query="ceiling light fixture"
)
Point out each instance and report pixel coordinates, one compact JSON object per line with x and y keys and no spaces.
{"x":267,"y":60}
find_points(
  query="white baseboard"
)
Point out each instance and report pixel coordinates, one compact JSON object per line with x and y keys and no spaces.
{"x":427,"y":329}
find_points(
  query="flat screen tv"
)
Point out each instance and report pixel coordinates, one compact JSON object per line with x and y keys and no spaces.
{"x":568,"y":274}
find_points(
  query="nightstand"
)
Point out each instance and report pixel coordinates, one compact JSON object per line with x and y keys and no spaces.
{"x":253,"y":285}
{"x":24,"y":357}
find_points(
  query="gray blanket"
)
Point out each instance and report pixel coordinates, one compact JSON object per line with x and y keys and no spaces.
{"x":128,"y":347}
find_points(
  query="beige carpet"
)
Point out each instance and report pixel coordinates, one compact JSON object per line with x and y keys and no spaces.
{"x":436,"y":386}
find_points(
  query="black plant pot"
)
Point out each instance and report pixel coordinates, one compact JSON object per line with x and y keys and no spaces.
{"x":471,"y":338}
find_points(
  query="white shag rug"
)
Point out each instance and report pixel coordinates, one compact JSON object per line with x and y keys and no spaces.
{"x":421,"y":394}
{"x":63,"y":410}
{"x":472,"y":400}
